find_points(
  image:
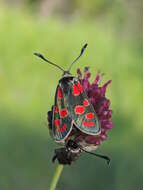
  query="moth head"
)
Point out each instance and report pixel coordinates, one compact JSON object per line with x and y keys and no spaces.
{"x":66,"y":74}
{"x":66,"y":155}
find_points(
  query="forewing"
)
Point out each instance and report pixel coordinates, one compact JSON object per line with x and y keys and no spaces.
{"x":80,"y":109}
{"x":61,"y":122}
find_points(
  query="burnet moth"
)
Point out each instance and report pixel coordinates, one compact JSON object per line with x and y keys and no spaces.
{"x":71,"y":114}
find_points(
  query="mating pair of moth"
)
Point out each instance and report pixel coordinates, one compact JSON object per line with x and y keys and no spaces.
{"x":72,"y":114}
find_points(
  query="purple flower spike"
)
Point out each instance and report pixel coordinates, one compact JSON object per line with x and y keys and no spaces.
{"x":79,"y":73}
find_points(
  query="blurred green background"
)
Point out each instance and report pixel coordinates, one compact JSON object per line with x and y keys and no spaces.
{"x":114,"y":31}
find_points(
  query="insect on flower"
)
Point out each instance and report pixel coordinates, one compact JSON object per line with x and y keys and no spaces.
{"x":80,"y":116}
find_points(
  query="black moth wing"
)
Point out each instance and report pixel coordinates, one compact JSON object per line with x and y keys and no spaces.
{"x":61,"y":120}
{"x":80,"y":110}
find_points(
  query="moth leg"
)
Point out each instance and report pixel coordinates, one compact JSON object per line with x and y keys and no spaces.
{"x":54,"y":158}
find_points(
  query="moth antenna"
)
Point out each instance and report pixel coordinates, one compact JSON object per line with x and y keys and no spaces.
{"x":42,"y":57}
{"x":98,"y":155}
{"x":81,"y":53}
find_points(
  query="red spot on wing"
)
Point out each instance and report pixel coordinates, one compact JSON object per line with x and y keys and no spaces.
{"x":85,"y":102}
{"x":88,"y":124}
{"x":60,"y":94}
{"x":63,"y":128}
{"x":79,"y":109}
{"x":76,"y":90}
{"x":89,"y":115}
{"x":57,"y":122}
{"x":80,"y":87}
{"x":56,"y":109}
{"x":63,"y":113}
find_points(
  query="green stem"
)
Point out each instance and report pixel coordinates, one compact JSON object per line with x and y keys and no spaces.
{"x":56,"y":177}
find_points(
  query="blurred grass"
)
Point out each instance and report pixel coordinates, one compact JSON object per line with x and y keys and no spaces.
{"x":27,"y":87}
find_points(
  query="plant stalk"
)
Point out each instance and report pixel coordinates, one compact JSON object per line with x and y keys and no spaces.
{"x":56,"y":177}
